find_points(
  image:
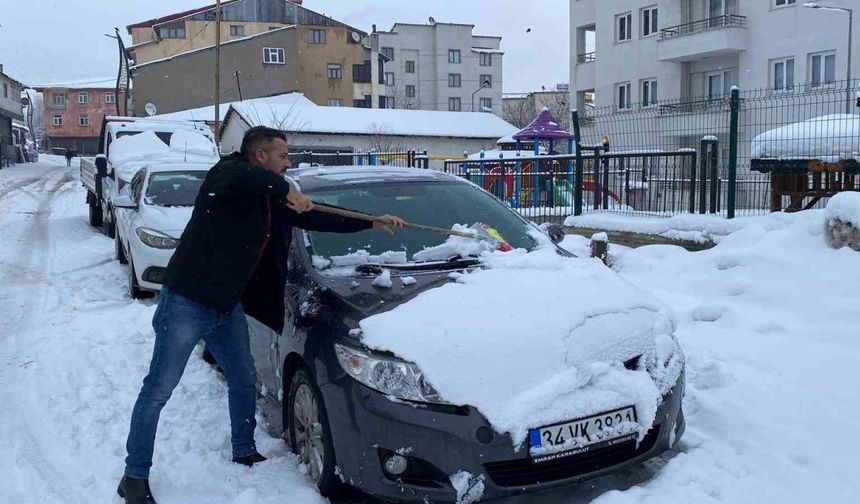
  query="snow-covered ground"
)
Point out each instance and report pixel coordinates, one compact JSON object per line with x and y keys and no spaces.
{"x":767,"y":320}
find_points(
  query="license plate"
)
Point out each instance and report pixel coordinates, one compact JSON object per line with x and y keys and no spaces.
{"x":578,"y":436}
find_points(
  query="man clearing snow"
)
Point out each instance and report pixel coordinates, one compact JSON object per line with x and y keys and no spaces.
{"x":231,"y":260}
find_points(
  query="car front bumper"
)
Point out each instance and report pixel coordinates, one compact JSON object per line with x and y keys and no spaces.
{"x":442,"y":441}
{"x":150,"y":264}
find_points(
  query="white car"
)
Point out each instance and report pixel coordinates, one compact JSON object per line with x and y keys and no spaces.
{"x":152,"y":212}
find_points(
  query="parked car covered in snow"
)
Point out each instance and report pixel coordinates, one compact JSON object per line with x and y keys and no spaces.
{"x":420,"y":369}
{"x":152,"y":211}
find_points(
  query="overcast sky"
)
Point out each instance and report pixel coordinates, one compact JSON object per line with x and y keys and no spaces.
{"x":57,"y":41}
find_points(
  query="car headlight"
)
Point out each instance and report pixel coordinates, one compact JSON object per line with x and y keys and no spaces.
{"x":665,"y":362}
{"x":389,"y":375}
{"x":156,"y":239}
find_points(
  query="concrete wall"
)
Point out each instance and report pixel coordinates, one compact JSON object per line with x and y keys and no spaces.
{"x":10,"y":96}
{"x":314,"y":59}
{"x":187,"y":80}
{"x":428,"y":46}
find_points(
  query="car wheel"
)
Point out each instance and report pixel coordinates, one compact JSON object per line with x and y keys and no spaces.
{"x":119,"y":252}
{"x":95,"y":216}
{"x":134,"y":289}
{"x":310,"y":437}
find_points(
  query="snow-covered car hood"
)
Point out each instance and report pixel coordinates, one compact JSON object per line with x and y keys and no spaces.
{"x":168,"y":220}
{"x":534,"y":339}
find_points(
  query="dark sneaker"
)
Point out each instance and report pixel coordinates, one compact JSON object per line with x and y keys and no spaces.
{"x":135,"y":491}
{"x":249,"y":460}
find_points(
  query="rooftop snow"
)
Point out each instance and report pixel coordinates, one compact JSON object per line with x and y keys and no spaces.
{"x":828,"y":138}
{"x":208,"y":113}
{"x":306,"y":117}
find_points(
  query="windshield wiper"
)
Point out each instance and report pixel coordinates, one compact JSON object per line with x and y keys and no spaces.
{"x":452,"y":263}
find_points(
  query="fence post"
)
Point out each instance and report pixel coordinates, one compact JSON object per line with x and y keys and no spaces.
{"x":577,"y":178}
{"x":693,"y":167}
{"x":715,"y":175}
{"x":595,"y":179}
{"x":733,"y":151}
{"x":371,"y":156}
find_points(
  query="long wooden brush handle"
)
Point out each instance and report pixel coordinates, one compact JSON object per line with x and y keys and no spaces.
{"x":371,"y":218}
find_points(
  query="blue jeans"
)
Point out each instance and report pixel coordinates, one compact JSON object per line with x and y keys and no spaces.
{"x":180,"y":324}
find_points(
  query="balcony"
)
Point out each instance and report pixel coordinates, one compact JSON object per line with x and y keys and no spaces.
{"x":714,"y":36}
{"x":586,"y":58}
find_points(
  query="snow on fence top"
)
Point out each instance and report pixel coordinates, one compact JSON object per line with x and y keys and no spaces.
{"x":828,"y":138}
{"x":303,"y":116}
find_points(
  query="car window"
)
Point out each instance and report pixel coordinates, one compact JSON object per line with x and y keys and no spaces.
{"x":137,"y":185}
{"x":176,"y":188}
{"x":439,"y":204}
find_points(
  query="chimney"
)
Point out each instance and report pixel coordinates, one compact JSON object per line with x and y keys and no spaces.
{"x":297,"y":2}
{"x":1,"y":68}
{"x":374,"y":28}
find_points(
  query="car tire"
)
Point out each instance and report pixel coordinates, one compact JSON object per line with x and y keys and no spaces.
{"x":134,"y":289}
{"x":311,"y":440}
{"x":119,"y":252}
{"x":95,"y":215}
{"x":111,"y":225}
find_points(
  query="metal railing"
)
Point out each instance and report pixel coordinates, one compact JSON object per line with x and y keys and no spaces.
{"x":718,"y":22}
{"x":405,"y":159}
{"x":587,"y":58}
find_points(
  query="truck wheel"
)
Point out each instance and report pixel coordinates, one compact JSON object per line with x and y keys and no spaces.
{"x":120,"y":253}
{"x":134,"y":289}
{"x":95,"y":215}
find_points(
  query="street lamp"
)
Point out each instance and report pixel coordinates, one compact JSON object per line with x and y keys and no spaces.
{"x":815,"y":5}
{"x":486,"y":83}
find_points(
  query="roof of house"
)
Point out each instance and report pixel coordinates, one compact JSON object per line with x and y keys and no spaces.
{"x":303,"y":116}
{"x":233,"y":41}
{"x":544,"y":127}
{"x":207,"y":113}
{"x":179,"y":15}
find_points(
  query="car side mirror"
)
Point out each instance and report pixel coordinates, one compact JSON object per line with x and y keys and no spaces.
{"x":555,"y":232}
{"x":101,"y":165}
{"x":124,"y":201}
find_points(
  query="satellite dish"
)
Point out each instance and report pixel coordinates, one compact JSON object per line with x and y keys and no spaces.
{"x":150,"y":109}
{"x":432,"y":21}
{"x":356,"y":37}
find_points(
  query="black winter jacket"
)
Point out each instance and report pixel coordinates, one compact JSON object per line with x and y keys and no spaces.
{"x":216,"y":262}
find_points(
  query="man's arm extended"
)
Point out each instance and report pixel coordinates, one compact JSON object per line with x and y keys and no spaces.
{"x":330,"y":223}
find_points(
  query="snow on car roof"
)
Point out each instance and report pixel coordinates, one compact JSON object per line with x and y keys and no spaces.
{"x":320,"y":177}
{"x":171,"y":167}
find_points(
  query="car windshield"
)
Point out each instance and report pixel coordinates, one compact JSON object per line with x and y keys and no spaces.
{"x":178,"y":188}
{"x":439,"y":204}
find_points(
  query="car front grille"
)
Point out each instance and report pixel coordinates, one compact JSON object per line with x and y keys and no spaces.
{"x":522,"y":472}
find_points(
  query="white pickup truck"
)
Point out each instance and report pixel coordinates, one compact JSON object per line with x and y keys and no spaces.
{"x":106,"y":175}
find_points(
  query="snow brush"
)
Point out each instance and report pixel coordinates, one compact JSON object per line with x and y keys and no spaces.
{"x":481,"y":232}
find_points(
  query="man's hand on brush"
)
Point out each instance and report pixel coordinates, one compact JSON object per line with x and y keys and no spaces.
{"x":297,"y":201}
{"x":392,"y":221}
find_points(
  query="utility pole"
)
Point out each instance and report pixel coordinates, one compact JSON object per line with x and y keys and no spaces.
{"x":218,"y":73}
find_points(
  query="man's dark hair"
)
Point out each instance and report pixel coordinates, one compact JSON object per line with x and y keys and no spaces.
{"x":258,"y":135}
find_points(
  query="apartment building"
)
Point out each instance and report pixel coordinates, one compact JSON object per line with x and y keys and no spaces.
{"x":73,"y":116}
{"x":631,"y":53}
{"x":442,"y":66}
{"x":10,"y":109}
{"x":276,"y":46}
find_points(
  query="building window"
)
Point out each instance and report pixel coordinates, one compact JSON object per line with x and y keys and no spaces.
{"x":58,"y":119}
{"x":390,"y":102}
{"x":388,"y":52}
{"x":5,"y":90}
{"x":84,"y":120}
{"x":486,"y":79}
{"x":110,"y":97}
{"x":335,"y":102}
{"x":783,"y":3}
{"x":60,"y":98}
{"x":622,"y":96}
{"x":83,"y":97}
{"x":486,"y":104}
{"x":173,"y":31}
{"x":389,"y":78}
{"x":274,"y":56}
{"x":720,"y":84}
{"x":822,"y":68}
{"x":316,"y":36}
{"x":486,"y":59}
{"x":454,"y":104}
{"x":455,"y":80}
{"x":454,"y":56}
{"x":410,"y":91}
{"x":624,"y":27}
{"x":410,"y":66}
{"x":334,"y":71}
{"x":783,"y":74}
{"x":649,"y":21}
{"x":237,"y":31}
{"x":648,"y":93}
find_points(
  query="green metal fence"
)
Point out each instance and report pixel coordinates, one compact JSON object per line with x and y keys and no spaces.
{"x":722,"y":130}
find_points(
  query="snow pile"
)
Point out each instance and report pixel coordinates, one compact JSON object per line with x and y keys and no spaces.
{"x":192,"y":142}
{"x":469,"y":488}
{"x":843,"y":220}
{"x":456,"y":246}
{"x":383,"y":280}
{"x":129,"y":153}
{"x":687,"y":227}
{"x":828,"y":138}
{"x":589,"y":322}
{"x":360,"y":257}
